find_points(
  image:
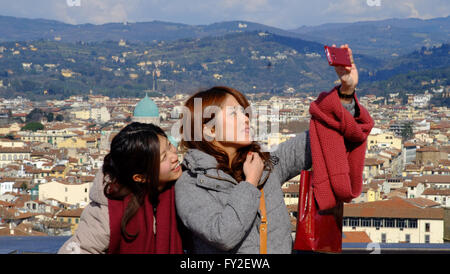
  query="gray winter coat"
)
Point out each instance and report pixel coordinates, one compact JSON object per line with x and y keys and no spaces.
{"x":223,"y":214}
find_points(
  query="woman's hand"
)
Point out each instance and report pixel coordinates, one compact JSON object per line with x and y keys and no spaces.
{"x":253,"y":168}
{"x":347,"y":75}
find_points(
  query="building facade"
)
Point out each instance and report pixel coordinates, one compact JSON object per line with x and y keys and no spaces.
{"x":395,"y":221}
{"x":74,"y":194}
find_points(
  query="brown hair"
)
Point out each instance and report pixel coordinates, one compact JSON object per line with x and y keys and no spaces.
{"x":134,"y":150}
{"x":210,"y":97}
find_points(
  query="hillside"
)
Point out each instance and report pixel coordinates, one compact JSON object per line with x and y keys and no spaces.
{"x":251,"y":61}
{"x":22,"y":29}
{"x":248,"y":61}
{"x":382,"y":39}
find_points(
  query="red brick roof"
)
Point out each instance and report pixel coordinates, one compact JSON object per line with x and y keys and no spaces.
{"x":393,"y":208}
{"x":440,"y":192}
{"x":355,"y":237}
{"x":428,"y":149}
{"x":422,"y":202}
{"x":291,"y":189}
{"x":433,"y":179}
{"x":76,"y":213}
{"x":372,"y":162}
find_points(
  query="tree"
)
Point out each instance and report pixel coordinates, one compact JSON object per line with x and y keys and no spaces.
{"x":24,"y":186}
{"x":50,"y":117}
{"x":59,"y":118}
{"x":407,"y":131}
{"x":33,"y":126}
{"x":35,"y":115}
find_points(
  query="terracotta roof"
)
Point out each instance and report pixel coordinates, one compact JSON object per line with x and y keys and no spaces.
{"x":355,"y":237}
{"x":76,"y":213}
{"x":410,"y":184}
{"x":439,"y":192}
{"x":372,"y":162}
{"x":59,"y":168}
{"x":409,"y":144}
{"x":292,"y":208}
{"x":291,"y":189}
{"x":14,"y":150}
{"x":433,"y":179}
{"x":428,"y":149}
{"x":392,"y":208}
{"x":21,"y":230}
{"x":422,"y":202}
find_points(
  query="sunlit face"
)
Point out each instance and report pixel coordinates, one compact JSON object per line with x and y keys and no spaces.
{"x":170,"y":168}
{"x":232,"y":125}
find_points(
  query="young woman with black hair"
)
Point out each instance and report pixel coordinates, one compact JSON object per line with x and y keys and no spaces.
{"x":132,"y":208}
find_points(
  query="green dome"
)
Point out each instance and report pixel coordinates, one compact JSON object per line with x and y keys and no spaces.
{"x":146,"y":108}
{"x":172,"y":140}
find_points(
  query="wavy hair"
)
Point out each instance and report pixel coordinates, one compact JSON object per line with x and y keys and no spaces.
{"x":215,"y":97}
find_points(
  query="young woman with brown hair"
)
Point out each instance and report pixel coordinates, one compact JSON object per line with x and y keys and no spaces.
{"x":227,"y":179}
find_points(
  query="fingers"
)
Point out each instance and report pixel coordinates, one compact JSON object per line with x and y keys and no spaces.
{"x":253,"y":157}
{"x":249,"y":158}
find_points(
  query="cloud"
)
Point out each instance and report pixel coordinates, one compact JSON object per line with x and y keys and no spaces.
{"x":361,"y":10}
{"x":285,"y":14}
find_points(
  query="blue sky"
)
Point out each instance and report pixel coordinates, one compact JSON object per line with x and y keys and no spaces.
{"x":286,"y":14}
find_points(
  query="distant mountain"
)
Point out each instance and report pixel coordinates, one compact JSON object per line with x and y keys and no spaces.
{"x":382,"y":39}
{"x":218,"y":54}
{"x":21,"y":29}
{"x":250,"y":61}
{"x":418,"y":60}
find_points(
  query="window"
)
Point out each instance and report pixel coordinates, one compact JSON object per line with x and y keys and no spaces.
{"x":412,"y":223}
{"x":407,"y":238}
{"x":401,"y":223}
{"x":85,"y":190}
{"x":427,"y":239}
{"x":354,"y":221}
{"x":427,"y":227}
{"x":345,"y":222}
{"x":383,"y":237}
{"x":366,"y":222}
{"x":66,"y":189}
{"x":69,"y":220}
{"x":389,"y":222}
